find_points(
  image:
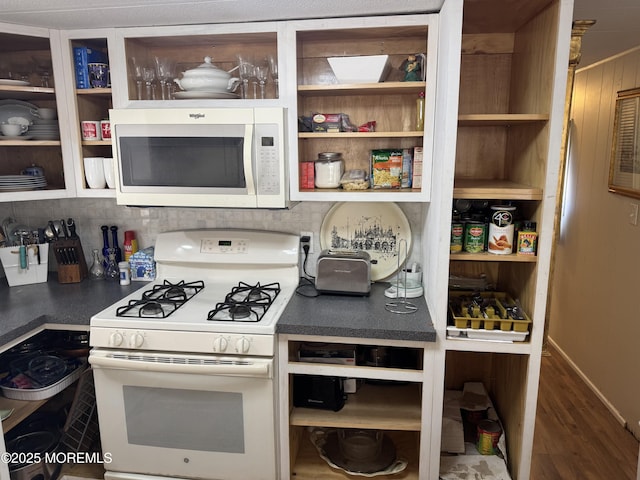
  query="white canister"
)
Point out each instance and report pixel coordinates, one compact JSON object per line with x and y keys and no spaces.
{"x":125,"y":273}
{"x":501,"y":230}
{"x":329,"y":168}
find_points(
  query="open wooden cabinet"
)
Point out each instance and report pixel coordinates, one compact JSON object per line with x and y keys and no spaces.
{"x":513,"y":72}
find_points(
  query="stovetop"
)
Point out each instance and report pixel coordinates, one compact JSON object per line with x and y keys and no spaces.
{"x":221,"y":287}
{"x":210,"y":307}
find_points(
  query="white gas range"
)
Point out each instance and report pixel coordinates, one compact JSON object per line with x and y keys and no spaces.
{"x":187,"y":361}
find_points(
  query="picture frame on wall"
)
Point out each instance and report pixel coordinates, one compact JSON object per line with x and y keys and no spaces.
{"x":624,"y":167}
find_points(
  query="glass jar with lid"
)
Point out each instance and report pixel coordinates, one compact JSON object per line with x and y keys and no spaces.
{"x":329,"y":168}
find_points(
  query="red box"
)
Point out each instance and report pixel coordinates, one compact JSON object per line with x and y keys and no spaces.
{"x":307,"y":174}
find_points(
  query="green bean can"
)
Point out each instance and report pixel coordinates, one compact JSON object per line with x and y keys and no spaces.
{"x":457,"y":233}
{"x":474,"y":237}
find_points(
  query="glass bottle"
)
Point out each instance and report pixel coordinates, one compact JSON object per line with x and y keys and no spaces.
{"x":112,"y":272}
{"x":420,"y":112}
{"x":96,"y":272}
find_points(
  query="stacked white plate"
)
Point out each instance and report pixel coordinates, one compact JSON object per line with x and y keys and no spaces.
{"x":21,"y":182}
{"x":44,"y":130}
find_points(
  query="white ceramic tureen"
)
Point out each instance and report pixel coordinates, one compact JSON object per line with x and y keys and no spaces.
{"x":207,"y":77}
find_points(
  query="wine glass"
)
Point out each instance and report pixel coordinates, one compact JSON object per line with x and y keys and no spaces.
{"x":273,"y":67}
{"x":164,"y":70}
{"x":262,"y":74}
{"x":245,"y":70}
{"x":149,"y":75}
{"x":137,"y":70}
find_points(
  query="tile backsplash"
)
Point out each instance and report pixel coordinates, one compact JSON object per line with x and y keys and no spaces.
{"x":90,"y":213}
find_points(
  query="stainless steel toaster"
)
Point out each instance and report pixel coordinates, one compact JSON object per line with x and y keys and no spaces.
{"x":344,"y":272}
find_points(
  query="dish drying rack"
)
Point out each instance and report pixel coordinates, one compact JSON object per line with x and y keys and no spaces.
{"x":81,"y":428}
{"x":401,"y":305}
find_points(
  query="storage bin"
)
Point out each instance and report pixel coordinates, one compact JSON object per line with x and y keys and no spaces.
{"x":35,"y":273}
{"x":497,"y":319}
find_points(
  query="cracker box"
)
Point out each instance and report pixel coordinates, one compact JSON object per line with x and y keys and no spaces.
{"x":307,"y":174}
{"x":386,"y":168}
{"x":327,"y":122}
{"x":407,"y":161}
{"x":417,"y":167}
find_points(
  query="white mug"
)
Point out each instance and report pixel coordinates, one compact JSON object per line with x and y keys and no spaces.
{"x":94,"y":172}
{"x":13,"y":129}
{"x":90,"y":130}
{"x":109,"y":172}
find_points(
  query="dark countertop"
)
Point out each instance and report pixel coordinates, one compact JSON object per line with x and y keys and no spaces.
{"x":360,"y":317}
{"x":27,"y":307}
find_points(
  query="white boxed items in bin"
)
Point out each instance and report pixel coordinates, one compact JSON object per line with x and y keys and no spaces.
{"x":36,"y":267}
{"x":143,"y":266}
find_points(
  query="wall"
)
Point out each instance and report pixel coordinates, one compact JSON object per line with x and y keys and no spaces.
{"x":594,"y":311}
{"x":90,"y":214}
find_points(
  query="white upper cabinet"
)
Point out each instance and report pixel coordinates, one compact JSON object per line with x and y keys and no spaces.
{"x":387,"y":107}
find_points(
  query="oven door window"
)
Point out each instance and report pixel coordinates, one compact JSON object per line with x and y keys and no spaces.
{"x":155,"y":416}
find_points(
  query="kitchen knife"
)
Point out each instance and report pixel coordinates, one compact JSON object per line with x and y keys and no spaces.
{"x":71,"y":224}
{"x":72,"y":255}
{"x":53,"y":230}
{"x":63,"y":226}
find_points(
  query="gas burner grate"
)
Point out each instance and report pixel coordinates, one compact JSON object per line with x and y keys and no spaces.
{"x":245,"y":303}
{"x":161,"y":300}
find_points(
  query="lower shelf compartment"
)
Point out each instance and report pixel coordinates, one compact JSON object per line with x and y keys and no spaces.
{"x":308,"y":465}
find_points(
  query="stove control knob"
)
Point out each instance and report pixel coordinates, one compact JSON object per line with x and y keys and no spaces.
{"x":220,"y":344}
{"x":136,"y":340}
{"x":116,"y":339}
{"x":242,"y":345}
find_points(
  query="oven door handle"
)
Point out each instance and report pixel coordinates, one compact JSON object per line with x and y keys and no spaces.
{"x":151,"y":364}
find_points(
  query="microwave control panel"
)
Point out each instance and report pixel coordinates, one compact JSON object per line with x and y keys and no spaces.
{"x":268,"y":162}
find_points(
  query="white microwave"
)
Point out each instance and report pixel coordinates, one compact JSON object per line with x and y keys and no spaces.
{"x":200,"y":157}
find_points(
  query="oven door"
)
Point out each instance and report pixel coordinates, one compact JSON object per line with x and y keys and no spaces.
{"x":185,"y":416}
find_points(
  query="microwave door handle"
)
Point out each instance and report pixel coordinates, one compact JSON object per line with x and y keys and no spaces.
{"x":250,"y":163}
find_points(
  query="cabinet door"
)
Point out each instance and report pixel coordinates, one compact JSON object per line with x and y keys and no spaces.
{"x":29,"y":75}
{"x":87,"y":102}
{"x":378,"y":103}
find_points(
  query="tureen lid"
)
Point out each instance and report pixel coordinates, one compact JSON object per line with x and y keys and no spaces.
{"x":207,"y":70}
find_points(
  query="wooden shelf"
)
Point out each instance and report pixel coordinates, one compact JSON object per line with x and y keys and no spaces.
{"x":318,"y":135}
{"x":106,"y":92}
{"x":21,"y":410}
{"x":369,"y":408}
{"x":309,"y":465}
{"x":25,"y":92}
{"x":492,"y":257}
{"x":88,"y":143}
{"x":386,"y":88}
{"x":29,"y":143}
{"x":500,"y":119}
{"x":494,"y":189}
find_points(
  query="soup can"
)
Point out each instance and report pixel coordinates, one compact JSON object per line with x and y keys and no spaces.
{"x":489,"y":432}
{"x":474,"y":235}
{"x":501,"y":230}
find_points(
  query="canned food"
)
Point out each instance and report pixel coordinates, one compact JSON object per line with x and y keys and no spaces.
{"x":489,"y":432}
{"x":474,"y":235}
{"x":457,"y":231}
{"x":527,"y":243}
{"x":501,"y":230}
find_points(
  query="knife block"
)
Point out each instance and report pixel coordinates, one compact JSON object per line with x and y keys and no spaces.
{"x":72,"y":266}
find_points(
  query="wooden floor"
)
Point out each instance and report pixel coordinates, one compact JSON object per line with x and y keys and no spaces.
{"x":576,"y":437}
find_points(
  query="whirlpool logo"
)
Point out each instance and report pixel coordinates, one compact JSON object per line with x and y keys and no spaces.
{"x":196,"y":115}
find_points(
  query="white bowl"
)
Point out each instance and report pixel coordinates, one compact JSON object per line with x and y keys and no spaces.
{"x":360,"y":69}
